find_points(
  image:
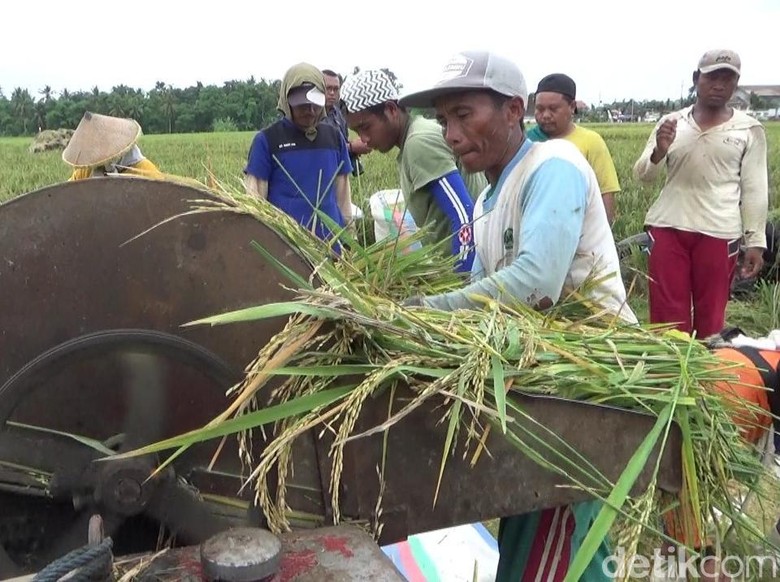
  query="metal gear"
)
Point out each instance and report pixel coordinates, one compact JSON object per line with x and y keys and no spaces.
{"x":78,"y":485}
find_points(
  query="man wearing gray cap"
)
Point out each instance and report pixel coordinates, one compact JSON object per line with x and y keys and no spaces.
{"x":540,"y":231}
{"x":437,"y":194}
{"x":714,"y":197}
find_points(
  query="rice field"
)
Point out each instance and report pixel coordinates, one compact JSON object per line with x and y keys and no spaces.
{"x":224,"y":155}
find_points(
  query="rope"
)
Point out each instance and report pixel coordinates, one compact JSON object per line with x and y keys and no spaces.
{"x":91,"y":562}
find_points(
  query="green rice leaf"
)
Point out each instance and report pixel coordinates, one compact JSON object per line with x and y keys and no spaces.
{"x":616,"y":499}
{"x":499,"y":390}
{"x":267,"y":311}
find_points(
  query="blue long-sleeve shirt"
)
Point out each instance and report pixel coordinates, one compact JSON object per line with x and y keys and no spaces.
{"x":452,"y":196}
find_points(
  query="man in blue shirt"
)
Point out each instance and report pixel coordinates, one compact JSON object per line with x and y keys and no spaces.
{"x":299,"y":164}
{"x":540,"y":230}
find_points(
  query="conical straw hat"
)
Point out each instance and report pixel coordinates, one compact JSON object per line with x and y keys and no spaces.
{"x":99,"y":139}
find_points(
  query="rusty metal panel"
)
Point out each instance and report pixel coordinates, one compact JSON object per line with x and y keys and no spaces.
{"x":504,"y":481}
{"x":65,"y":270}
{"x":72,"y":263}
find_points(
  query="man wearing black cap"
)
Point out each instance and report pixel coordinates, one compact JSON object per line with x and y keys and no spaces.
{"x":556,"y":105}
{"x":299,"y":164}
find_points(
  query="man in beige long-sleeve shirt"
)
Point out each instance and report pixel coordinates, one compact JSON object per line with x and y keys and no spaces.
{"x":715,"y":196}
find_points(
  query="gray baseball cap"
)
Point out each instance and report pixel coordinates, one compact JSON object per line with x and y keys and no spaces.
{"x":720,"y":59}
{"x":469,"y":71}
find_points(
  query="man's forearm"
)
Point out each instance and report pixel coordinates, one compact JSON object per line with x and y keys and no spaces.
{"x":754,"y":190}
{"x":648,"y":166}
{"x":609,"y":205}
{"x":533,"y":282}
{"x":656,"y":156}
{"x":344,"y":198}
{"x":256,"y":187}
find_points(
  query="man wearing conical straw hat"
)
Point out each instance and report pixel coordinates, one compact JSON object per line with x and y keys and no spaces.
{"x":104,"y":145}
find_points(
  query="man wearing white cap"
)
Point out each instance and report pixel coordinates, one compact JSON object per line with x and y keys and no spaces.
{"x":299,"y":164}
{"x":540,"y":230}
{"x":715,"y":196}
{"x":438,"y":195}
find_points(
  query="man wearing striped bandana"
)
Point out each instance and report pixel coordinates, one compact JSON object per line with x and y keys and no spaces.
{"x":440,"y":197}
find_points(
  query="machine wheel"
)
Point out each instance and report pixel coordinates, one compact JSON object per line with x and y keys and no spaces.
{"x":77,"y":403}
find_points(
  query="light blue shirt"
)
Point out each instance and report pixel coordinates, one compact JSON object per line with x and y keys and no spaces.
{"x":553,"y":208}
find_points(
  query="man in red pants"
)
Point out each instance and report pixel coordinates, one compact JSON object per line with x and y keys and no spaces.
{"x":715,"y":196}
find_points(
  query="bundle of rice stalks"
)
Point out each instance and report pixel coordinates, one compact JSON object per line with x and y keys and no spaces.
{"x":348,"y":339}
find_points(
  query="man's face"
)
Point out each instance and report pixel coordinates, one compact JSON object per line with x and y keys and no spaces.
{"x":553,"y":113}
{"x":477,"y":128}
{"x":716,"y":88}
{"x":305,"y":116}
{"x":376,"y":131}
{"x":332,"y":87}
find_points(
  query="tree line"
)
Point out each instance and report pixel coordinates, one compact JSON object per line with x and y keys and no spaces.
{"x":235,"y":106}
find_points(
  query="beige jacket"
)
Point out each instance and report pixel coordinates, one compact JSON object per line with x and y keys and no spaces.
{"x":716,"y":179}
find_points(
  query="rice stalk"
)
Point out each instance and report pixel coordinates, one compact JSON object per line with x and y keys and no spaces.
{"x":347,"y":328}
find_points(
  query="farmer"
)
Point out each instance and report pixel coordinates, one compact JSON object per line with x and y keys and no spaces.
{"x":299,"y":164}
{"x":555,"y":107}
{"x":540,"y":231}
{"x":333,"y":115}
{"x":105,"y":145}
{"x":714,"y":197}
{"x":439,"y":195}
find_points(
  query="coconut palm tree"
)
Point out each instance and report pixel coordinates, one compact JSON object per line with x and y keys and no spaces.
{"x":22,"y":105}
{"x":168,"y":100}
{"x":47,"y":93}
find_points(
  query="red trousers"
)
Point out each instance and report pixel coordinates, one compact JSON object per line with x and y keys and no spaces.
{"x":690,"y":279}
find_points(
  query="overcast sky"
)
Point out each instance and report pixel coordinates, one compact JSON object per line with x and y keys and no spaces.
{"x":613,"y":49}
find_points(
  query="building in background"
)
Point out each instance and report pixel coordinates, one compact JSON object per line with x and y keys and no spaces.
{"x":760,"y":101}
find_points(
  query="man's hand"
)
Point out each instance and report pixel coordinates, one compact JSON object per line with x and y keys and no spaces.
{"x":357,"y":147}
{"x":414,"y":301}
{"x":663,"y":139}
{"x":752,"y":262}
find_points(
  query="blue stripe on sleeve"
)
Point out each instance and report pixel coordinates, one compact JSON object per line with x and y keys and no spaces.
{"x":452,"y":196}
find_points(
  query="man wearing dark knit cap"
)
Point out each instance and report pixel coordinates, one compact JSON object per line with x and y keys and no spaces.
{"x":556,"y":104}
